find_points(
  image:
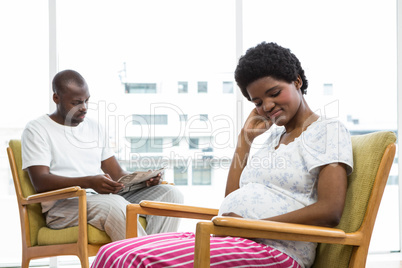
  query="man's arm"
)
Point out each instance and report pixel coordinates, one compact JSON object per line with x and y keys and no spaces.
{"x":112,"y":167}
{"x":44,"y":181}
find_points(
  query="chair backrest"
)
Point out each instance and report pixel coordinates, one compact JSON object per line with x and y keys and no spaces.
{"x":23,"y":188}
{"x":368,"y":151}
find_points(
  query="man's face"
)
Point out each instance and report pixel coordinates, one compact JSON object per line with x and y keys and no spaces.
{"x":72,"y":103}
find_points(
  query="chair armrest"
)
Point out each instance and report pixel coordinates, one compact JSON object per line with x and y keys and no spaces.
{"x":285,"y":231}
{"x":164,"y":209}
{"x":172,"y":207}
{"x":54,"y":195}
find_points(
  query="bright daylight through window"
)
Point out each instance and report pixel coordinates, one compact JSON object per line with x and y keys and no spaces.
{"x":160,"y":74}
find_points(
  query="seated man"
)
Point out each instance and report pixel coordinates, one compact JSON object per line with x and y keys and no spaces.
{"x":62,"y":150}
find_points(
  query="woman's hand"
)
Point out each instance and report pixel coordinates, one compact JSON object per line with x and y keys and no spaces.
{"x":231,"y":214}
{"x":255,"y":125}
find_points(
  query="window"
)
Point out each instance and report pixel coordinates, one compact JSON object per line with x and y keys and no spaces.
{"x":183,"y":117}
{"x":337,"y":55}
{"x":157,"y":119}
{"x":21,"y":21}
{"x":149,"y":163}
{"x":182,"y":87}
{"x":140,"y":87}
{"x":150,"y":145}
{"x":203,"y":117}
{"x":227,"y":87}
{"x":201,"y":173}
{"x":176,"y":142}
{"x":202,"y":87}
{"x":193,"y":143}
{"x":110,"y":43}
{"x":328,"y":89}
{"x":180,"y":175}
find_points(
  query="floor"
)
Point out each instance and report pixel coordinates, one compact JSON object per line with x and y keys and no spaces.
{"x":373,"y":261}
{"x":369,"y":265}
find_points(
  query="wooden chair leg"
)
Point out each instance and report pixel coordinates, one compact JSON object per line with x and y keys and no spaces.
{"x":359,"y":257}
{"x":202,"y":245}
{"x":84,"y":262}
{"x":25,"y":260}
{"x":25,"y":263}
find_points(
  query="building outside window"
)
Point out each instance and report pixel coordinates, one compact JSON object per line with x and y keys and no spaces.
{"x":111,"y":44}
{"x":140,"y":87}
{"x":328,"y":89}
{"x":182,"y":87}
{"x":201,"y":173}
{"x":203,"y":117}
{"x":183,"y":117}
{"x":203,"y":87}
{"x":227,"y":87}
{"x":180,"y":175}
{"x":176,"y":142}
{"x":193,"y":143}
{"x":150,"y":119}
{"x":149,"y":145}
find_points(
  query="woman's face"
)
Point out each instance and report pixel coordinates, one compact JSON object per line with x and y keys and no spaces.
{"x":276,"y":100}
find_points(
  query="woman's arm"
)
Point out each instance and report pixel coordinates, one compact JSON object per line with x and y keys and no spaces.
{"x":239,"y":161}
{"x":327,"y":211}
{"x":255,"y":125}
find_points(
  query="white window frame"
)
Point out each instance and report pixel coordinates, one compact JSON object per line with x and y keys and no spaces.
{"x":399,"y":102}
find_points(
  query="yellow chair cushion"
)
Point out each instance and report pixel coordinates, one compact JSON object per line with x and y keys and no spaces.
{"x":367,"y":153}
{"x":49,"y":236}
{"x":143,"y":222}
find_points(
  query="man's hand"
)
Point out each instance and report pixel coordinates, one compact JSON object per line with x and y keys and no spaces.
{"x":154,"y":181}
{"x":104,"y":184}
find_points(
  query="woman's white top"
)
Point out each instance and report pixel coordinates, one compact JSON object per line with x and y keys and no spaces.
{"x":278,"y":181}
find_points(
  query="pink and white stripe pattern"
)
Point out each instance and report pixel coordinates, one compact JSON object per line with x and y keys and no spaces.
{"x":177,"y":250}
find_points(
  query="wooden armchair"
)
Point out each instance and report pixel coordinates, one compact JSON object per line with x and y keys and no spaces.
{"x":39,"y":241}
{"x":344,"y":246}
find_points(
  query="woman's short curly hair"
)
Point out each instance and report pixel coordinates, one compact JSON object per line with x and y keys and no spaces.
{"x":268,"y":59}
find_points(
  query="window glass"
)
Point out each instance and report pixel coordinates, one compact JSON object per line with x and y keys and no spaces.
{"x":24,"y":68}
{"x":334,"y":42}
{"x":183,"y":117}
{"x":182,"y":87}
{"x":328,"y":89}
{"x":193,"y":143}
{"x":203,"y":117}
{"x":201,"y":173}
{"x":150,"y":119}
{"x":202,"y":87}
{"x":120,"y":51}
{"x":150,"y":145}
{"x":180,"y":175}
{"x":133,"y":51}
{"x":227,"y":87}
{"x":140,"y":87}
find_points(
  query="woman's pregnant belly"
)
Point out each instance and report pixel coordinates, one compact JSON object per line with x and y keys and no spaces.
{"x":256,"y":201}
